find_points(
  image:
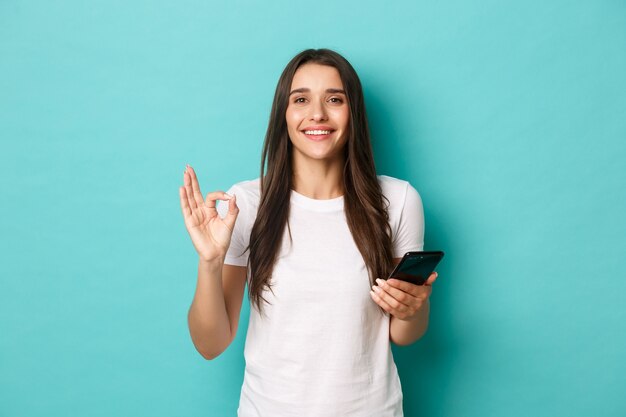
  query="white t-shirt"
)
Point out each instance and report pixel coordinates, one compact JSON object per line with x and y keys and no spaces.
{"x":321,"y":347}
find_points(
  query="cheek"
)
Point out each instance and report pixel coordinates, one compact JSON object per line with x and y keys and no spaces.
{"x":343,"y":118}
{"x":293,"y":119}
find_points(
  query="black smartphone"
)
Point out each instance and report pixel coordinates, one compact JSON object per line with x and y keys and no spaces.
{"x":416,"y":267}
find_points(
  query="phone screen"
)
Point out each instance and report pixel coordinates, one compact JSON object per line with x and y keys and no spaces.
{"x":416,"y":267}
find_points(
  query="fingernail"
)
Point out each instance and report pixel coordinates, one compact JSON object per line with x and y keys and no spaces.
{"x":380,"y":281}
{"x":376,"y":288}
{"x":228,"y":195}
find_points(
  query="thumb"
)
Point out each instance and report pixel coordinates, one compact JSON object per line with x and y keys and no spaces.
{"x":431,"y":278}
{"x":233,"y":212}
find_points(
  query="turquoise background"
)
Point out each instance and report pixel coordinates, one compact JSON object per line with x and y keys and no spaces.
{"x":508,"y":117}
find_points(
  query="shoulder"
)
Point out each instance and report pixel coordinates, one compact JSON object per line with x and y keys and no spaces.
{"x":248,"y":195}
{"x":397,"y":191}
{"x":249,"y":189}
{"x":248,"y":186}
{"x":406,"y":215}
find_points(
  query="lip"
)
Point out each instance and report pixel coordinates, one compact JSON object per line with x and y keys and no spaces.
{"x":318,"y":127}
{"x":318,"y":138}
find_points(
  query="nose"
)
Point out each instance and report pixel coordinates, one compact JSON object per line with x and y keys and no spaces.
{"x":318,"y":111}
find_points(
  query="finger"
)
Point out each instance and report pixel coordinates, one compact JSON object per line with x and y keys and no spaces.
{"x":418,"y":292}
{"x":184,"y":204}
{"x":381,"y":302}
{"x":404,"y":297}
{"x":407,"y":287}
{"x":211,"y":198}
{"x":195,"y":186}
{"x":189,"y":192}
{"x":395,"y":304}
{"x":233,"y":211}
{"x":431,"y":279}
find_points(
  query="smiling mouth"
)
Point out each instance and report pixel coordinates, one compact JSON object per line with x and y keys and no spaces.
{"x":317,"y":132}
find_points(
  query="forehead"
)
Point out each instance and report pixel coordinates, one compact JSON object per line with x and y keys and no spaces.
{"x":316,"y":76}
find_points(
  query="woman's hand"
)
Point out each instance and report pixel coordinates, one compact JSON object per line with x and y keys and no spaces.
{"x":402,"y":299}
{"x":209,"y":233}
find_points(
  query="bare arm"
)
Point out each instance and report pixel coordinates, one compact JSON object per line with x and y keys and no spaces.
{"x":409,"y":307}
{"x":406,"y":332}
{"x":214,"y":313}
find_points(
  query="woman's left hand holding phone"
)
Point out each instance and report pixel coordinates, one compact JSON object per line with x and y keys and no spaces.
{"x":402,"y":299}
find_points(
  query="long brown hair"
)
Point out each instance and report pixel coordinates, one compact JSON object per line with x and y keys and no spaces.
{"x":364,"y":206}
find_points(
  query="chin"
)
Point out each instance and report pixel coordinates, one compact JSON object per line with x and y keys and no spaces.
{"x":317,"y":152}
{"x":322,"y":156}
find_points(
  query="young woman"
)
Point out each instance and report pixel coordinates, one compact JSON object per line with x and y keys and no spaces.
{"x":311,"y":237}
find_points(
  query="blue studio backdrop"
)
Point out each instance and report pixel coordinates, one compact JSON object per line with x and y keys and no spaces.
{"x":509,"y":117}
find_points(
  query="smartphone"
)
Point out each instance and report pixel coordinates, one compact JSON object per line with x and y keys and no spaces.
{"x":416,"y":267}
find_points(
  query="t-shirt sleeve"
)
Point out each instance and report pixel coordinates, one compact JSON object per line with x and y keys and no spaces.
{"x":410,"y":234}
{"x":237,"y":254}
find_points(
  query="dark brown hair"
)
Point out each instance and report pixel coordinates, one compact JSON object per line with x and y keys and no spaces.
{"x":364,"y":206}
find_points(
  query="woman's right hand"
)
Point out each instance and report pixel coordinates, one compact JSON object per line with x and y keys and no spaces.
{"x":209,"y":233}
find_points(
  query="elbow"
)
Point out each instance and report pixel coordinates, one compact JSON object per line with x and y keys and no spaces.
{"x":402,"y":342}
{"x":208,"y":350}
{"x":208,"y":354}
{"x":208,"y":342}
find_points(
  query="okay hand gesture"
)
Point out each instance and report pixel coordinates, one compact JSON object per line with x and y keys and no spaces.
{"x":209,"y":233}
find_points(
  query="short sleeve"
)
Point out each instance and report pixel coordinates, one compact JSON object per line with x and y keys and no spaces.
{"x":410,"y":232}
{"x":237,"y":254}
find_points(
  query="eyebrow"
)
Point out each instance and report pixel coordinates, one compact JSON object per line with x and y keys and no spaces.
{"x":328,"y":90}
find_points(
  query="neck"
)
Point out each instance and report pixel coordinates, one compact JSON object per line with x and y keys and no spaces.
{"x":321,"y":180}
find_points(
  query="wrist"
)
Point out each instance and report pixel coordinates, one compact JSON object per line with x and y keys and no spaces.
{"x":214,"y":264}
{"x":420,"y":314}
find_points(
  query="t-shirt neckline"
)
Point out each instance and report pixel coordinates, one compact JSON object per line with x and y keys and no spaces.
{"x":332,"y":204}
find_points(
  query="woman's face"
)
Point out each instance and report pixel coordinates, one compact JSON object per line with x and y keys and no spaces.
{"x":318,"y":114}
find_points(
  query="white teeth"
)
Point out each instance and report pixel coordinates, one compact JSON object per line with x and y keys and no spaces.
{"x":317,"y":132}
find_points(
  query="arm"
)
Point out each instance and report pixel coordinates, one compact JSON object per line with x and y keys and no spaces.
{"x":407,"y":304}
{"x":409,"y":307}
{"x":406,"y":332}
{"x":214,"y":313}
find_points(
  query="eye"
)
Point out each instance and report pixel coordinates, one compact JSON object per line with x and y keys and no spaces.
{"x":299,"y":100}
{"x":335,"y":100}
